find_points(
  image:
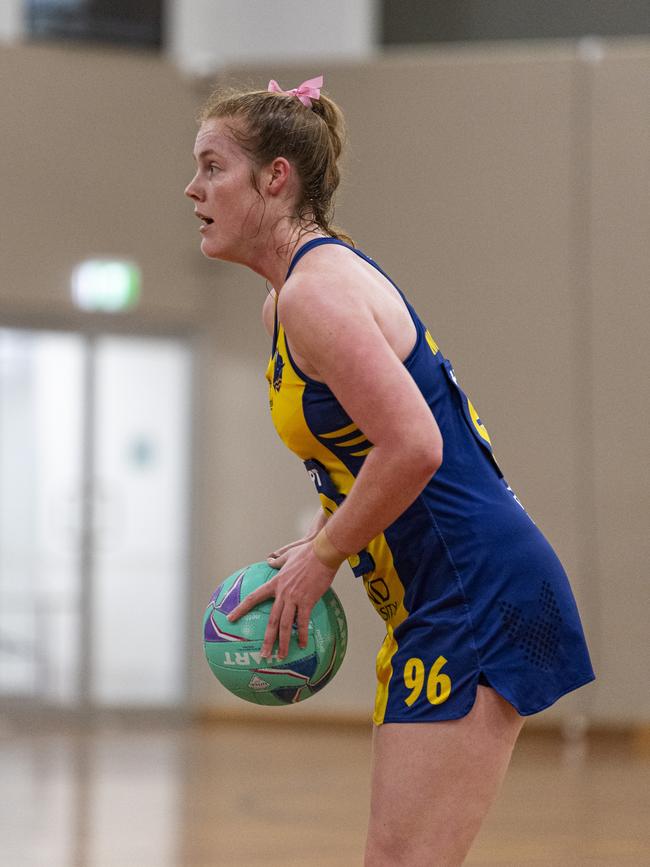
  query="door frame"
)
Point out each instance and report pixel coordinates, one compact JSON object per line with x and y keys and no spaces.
{"x":91,"y":327}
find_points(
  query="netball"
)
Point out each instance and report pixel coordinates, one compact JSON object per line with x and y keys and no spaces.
{"x":233,"y":650}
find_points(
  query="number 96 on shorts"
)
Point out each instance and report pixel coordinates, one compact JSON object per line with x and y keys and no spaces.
{"x":435,"y":683}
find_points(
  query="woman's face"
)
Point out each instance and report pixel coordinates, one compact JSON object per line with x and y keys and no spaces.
{"x":224,"y":198}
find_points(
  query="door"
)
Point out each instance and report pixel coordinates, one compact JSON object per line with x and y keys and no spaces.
{"x":94,"y":518}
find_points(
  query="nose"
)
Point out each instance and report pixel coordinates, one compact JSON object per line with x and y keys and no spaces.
{"x":192,"y":189}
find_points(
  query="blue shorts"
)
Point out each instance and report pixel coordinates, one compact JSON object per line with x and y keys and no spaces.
{"x":497,"y":610}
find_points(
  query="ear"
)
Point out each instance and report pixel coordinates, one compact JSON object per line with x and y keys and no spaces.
{"x":277,"y":175}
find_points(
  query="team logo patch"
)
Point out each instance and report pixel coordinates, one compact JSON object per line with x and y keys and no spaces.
{"x":277,"y":371}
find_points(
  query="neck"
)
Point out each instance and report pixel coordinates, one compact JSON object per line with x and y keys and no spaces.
{"x":271,"y":259}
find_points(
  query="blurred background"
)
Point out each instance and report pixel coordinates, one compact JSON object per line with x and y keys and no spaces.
{"x":498,"y":170}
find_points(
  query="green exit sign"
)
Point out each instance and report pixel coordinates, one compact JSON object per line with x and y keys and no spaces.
{"x":106,"y":285}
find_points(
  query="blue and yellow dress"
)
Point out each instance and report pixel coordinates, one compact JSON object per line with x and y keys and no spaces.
{"x":470,"y":590}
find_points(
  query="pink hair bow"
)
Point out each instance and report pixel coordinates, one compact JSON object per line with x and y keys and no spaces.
{"x":307,"y":91}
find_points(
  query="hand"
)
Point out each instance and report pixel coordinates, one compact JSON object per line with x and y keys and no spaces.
{"x":297,"y":587}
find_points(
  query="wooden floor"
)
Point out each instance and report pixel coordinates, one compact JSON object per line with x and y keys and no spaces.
{"x":242,"y":795}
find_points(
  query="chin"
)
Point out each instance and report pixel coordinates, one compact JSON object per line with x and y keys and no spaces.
{"x":210,"y":249}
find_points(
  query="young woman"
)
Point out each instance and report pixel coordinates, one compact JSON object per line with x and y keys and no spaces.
{"x":482,"y":627}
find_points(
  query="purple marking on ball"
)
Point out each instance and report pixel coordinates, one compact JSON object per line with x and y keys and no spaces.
{"x":213,"y":633}
{"x":214,"y":596}
{"x":301,"y":669}
{"x":233,"y":597}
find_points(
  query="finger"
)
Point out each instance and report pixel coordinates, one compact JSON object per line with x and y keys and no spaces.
{"x":286,"y":622}
{"x":277,"y":560}
{"x":303,"y":626}
{"x":287,"y":547}
{"x":266,"y":591}
{"x":272,"y":629}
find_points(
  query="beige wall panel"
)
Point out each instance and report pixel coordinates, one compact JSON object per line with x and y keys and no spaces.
{"x":620,"y":269}
{"x":96,"y":151}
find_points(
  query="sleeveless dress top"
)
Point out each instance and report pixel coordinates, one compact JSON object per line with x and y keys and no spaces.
{"x":469,"y":588}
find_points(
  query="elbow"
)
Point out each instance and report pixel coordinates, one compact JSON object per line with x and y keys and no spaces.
{"x":428,"y":448}
{"x":434,"y":461}
{"x":415,"y":458}
{"x":437,"y":463}
{"x":428,"y":458}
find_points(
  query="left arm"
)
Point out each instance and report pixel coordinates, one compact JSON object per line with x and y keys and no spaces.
{"x":339,"y":336}
{"x":337,"y":333}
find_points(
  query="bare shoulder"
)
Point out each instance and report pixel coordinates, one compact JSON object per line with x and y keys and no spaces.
{"x":322,"y":316}
{"x":335,"y":296}
{"x":268,"y":312}
{"x":329,"y":288}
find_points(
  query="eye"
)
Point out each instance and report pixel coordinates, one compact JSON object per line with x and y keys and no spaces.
{"x":212,"y":168}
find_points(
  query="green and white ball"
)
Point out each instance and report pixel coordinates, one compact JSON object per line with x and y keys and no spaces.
{"x":233,"y":650}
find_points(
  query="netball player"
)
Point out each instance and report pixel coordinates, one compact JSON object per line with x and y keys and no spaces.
{"x":482,"y":627}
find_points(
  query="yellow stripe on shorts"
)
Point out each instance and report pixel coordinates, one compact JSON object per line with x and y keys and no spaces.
{"x":386,"y":592}
{"x":384,"y":673}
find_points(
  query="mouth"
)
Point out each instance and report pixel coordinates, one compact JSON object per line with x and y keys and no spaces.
{"x":207,"y":221}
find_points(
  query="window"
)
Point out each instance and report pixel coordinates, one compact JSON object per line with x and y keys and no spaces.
{"x":133,"y":22}
{"x":424,"y":21}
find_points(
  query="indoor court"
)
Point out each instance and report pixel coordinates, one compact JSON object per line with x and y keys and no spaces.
{"x":242,"y":795}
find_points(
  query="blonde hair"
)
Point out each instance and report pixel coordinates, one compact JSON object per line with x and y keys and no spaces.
{"x":311,"y":139}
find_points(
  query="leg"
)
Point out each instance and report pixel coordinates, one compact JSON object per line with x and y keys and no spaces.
{"x":433,"y":783}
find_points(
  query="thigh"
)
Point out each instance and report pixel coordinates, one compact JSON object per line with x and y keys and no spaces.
{"x":433,"y":783}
